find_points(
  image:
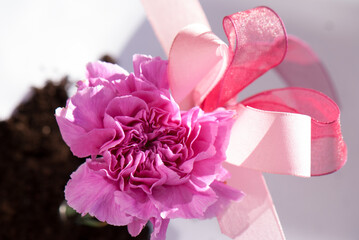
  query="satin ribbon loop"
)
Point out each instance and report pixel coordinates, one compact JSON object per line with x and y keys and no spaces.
{"x":285,"y":131}
{"x":273,"y":142}
{"x":197,"y":60}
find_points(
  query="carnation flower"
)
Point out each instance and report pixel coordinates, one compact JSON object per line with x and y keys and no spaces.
{"x":147,"y":159}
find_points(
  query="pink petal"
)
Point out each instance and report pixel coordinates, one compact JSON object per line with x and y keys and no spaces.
{"x":135,"y":227}
{"x":159,"y":228}
{"x":135,"y":203}
{"x":133,"y":84}
{"x":90,"y":192}
{"x":82,"y":143}
{"x":153,"y":70}
{"x":127,"y":106}
{"x":168,"y":176}
{"x":110,"y":122}
{"x":87,"y":107}
{"x":217,"y":133}
{"x":182,"y":201}
{"x":105,"y":70}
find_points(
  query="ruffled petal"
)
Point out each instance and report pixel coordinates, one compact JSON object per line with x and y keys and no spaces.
{"x":90,"y":192}
{"x":211,"y":143}
{"x":81,"y":142}
{"x":87,"y":107}
{"x":159,"y":228}
{"x":135,"y":227}
{"x":105,"y":70}
{"x":153,"y":70}
{"x":126,"y":106}
{"x":135,"y":203}
{"x":182,"y":201}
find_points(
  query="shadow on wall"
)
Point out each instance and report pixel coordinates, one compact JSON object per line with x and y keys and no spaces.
{"x":143,"y":41}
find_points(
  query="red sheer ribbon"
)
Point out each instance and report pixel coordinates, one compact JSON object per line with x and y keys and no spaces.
{"x":257,"y":43}
{"x":292,"y":131}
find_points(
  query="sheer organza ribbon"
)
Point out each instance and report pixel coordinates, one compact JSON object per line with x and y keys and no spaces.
{"x":294,"y":131}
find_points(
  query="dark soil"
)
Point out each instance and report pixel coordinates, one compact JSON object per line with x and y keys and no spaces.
{"x":35,"y":165}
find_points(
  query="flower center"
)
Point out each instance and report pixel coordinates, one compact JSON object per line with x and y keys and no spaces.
{"x":152,"y":141}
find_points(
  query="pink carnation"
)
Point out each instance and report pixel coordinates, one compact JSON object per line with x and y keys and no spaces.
{"x":148,"y":161}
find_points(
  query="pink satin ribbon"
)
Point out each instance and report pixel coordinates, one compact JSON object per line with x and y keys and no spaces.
{"x":168,"y":17}
{"x":293,"y":131}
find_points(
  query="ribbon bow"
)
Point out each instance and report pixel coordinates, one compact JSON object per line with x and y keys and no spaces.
{"x":294,"y":131}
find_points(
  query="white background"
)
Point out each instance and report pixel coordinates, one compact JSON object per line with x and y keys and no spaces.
{"x":43,"y":39}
